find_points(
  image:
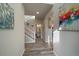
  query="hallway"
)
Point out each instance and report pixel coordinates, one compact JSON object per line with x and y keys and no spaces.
{"x":36,"y":43}
{"x":22,"y":24}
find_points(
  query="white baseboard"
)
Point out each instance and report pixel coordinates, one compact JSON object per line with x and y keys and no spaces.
{"x":55,"y":53}
{"x":23,"y":52}
{"x":30,"y":41}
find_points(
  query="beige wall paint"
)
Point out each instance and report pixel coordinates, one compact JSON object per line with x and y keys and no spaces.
{"x":12,"y":41}
{"x":48,"y":32}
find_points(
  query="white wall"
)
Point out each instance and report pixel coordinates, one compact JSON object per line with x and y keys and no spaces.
{"x":12,"y":41}
{"x":48,"y":32}
{"x":56,"y":33}
{"x":56,"y":42}
{"x":67,"y":42}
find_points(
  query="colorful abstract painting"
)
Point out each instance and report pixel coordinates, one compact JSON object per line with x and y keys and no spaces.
{"x":6,"y":16}
{"x":69,"y":20}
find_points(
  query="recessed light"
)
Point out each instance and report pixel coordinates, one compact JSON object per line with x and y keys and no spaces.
{"x":38,"y":25}
{"x":37,"y":12}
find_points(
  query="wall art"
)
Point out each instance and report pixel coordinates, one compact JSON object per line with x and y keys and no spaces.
{"x":6,"y":16}
{"x":69,"y":20}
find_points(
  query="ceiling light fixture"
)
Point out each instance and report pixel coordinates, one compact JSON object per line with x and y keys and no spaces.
{"x":37,"y":12}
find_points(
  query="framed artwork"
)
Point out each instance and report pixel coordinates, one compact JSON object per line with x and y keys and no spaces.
{"x":69,"y":20}
{"x":6,"y":16}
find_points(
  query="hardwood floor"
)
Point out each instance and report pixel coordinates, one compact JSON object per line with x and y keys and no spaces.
{"x":39,"y":48}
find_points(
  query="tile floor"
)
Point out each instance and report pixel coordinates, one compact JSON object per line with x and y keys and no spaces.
{"x":39,"y":48}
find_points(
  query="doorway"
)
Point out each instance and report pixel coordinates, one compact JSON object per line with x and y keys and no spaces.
{"x":38,"y":32}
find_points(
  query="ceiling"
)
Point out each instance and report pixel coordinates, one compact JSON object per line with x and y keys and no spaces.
{"x":32,"y":8}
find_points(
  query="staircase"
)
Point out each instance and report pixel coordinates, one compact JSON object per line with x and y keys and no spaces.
{"x":29,"y":35}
